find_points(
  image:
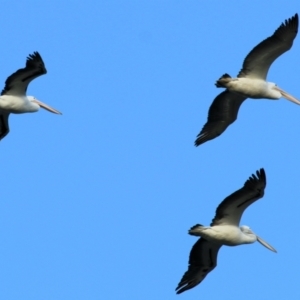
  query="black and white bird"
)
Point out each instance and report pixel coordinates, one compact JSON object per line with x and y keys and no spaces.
{"x":250,"y":82}
{"x":224,"y":230}
{"x":13,"y":97}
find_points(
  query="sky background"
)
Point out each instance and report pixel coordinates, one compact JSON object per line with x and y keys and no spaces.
{"x":96,"y":203}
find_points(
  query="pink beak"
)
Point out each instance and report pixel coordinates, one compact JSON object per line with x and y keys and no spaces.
{"x":286,"y":95}
{"x":47,"y":107}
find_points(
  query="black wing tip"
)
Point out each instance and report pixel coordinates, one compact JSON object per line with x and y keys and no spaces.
{"x":36,"y":58}
{"x":295,"y":17}
{"x":207,"y":133}
{"x":3,"y":135}
{"x":201,"y":139}
{"x":288,"y":26}
{"x":261,"y":172}
{"x":293,"y":22}
{"x":183,"y":286}
{"x":179,"y":290}
{"x":210,"y":131}
{"x":259,"y":176}
{"x":34,"y":55}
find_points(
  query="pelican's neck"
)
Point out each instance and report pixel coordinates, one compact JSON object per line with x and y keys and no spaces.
{"x":248,"y":237}
{"x":31,"y":106}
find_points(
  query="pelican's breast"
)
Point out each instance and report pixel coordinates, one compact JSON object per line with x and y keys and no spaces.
{"x":225,"y":234}
{"x":250,"y":88}
{"x":14,"y":104}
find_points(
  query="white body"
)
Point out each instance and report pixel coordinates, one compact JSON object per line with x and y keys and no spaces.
{"x":228,"y":235}
{"x":253,"y":88}
{"x":18,"y":104}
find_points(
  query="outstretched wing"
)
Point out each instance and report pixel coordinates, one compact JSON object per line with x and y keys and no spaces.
{"x":230,"y":210}
{"x":222,"y":112}
{"x":17,"y":83}
{"x":259,"y":60}
{"x":203,"y":259}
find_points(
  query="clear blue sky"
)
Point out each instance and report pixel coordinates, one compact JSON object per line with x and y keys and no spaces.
{"x":96,"y":203}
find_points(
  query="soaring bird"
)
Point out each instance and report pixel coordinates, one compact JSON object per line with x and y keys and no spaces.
{"x":250,"y":82}
{"x":224,"y":230}
{"x":13,"y":97}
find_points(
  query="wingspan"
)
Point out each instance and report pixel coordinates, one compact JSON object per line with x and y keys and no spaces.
{"x":203,"y":259}
{"x":222,"y":112}
{"x":231,"y":208}
{"x":259,"y":60}
{"x":16,"y":84}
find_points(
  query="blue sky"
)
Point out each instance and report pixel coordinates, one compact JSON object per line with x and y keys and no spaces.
{"x":96,"y":203}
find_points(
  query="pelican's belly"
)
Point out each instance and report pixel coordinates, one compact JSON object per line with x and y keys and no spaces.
{"x":13,"y":104}
{"x":226,"y":234}
{"x":250,"y":88}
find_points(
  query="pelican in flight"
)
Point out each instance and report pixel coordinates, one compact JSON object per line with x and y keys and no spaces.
{"x":250,"y":82}
{"x":224,"y":230}
{"x":13,"y":97}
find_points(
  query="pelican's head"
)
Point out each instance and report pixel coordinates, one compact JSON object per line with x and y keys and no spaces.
{"x":246,"y":230}
{"x":43,"y":105}
{"x":282,"y":93}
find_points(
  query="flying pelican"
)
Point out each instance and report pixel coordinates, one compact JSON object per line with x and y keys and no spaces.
{"x":224,"y":230}
{"x":250,"y":82}
{"x":13,"y":97}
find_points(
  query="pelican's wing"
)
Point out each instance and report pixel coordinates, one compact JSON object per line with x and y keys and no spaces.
{"x":222,"y":112}
{"x":203,"y":259}
{"x":259,"y":60}
{"x":4,"y":128}
{"x":16,"y":84}
{"x":230,"y":210}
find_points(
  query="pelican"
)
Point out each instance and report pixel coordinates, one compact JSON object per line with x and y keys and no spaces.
{"x":250,"y":82}
{"x":13,"y":97}
{"x":224,"y":230}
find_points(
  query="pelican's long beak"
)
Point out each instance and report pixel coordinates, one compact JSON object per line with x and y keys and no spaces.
{"x":286,"y":95}
{"x":264,"y":243}
{"x":47,"y":107}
